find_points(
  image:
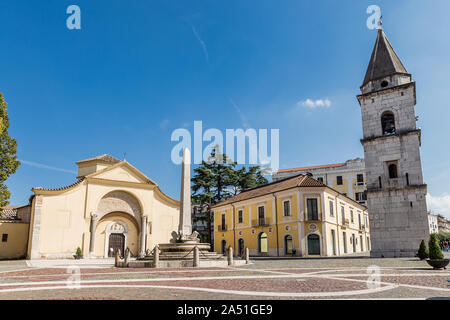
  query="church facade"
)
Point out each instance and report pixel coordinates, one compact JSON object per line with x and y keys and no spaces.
{"x":111,"y":206}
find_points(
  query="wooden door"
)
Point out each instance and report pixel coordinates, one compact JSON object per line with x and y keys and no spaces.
{"x":116,"y":242}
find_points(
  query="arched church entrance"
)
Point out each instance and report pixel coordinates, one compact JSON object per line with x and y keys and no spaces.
{"x":118,"y":224}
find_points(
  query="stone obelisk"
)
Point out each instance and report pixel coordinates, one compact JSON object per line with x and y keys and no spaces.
{"x":185,"y":226}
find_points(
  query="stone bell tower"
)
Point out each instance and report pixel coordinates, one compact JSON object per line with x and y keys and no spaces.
{"x":395,"y":188}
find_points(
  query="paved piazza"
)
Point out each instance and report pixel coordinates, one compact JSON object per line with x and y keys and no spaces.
{"x":344,"y":278}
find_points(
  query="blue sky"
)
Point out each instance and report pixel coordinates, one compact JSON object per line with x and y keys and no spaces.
{"x":139,"y":69}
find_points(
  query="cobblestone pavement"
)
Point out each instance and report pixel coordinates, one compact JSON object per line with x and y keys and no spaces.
{"x":265,"y":278}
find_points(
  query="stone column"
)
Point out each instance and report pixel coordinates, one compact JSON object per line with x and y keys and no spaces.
{"x":196,"y":257}
{"x":156,"y":256}
{"x":127,"y":258}
{"x":230,"y":256}
{"x":143,"y":234}
{"x":247,"y":256}
{"x":94,"y":221}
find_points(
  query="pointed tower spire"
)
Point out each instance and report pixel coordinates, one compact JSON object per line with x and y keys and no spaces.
{"x":384,"y":61}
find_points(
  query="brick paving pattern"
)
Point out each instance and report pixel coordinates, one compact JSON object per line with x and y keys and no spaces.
{"x":342,"y":278}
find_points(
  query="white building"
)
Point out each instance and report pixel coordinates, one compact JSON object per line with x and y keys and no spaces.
{"x":348,"y":177}
{"x":433,"y":223}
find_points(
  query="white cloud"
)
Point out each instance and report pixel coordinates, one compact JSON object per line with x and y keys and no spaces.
{"x":312,"y":104}
{"x":202,"y":43}
{"x":241,"y":114}
{"x":44,"y":166}
{"x":164,"y":123}
{"x":439,"y":205}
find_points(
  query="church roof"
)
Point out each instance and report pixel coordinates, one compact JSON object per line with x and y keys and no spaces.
{"x":104,"y":157}
{"x":384,"y":61}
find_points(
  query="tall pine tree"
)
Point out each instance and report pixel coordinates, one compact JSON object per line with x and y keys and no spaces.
{"x":217,"y":179}
{"x":8,"y":150}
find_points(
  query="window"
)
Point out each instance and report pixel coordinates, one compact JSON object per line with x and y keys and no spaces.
{"x":367,"y":223}
{"x":287,"y":208}
{"x":288,"y":244}
{"x":261,"y":213}
{"x":392,"y":171}
{"x":5,"y":237}
{"x":339,"y":180}
{"x":359,"y":222}
{"x":360,"y":196}
{"x":331,"y":208}
{"x":407,"y":179}
{"x":388,"y":123}
{"x":360,"y":178}
{"x":223,"y":221}
{"x":343,"y":215}
{"x":320,"y":179}
{"x":313,"y":213}
{"x":351,"y":216}
{"x":240,"y":216}
{"x":384,"y":84}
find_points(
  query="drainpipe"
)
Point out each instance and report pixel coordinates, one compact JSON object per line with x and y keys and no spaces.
{"x":276,"y":222}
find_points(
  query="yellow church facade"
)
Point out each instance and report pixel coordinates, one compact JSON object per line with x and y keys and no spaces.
{"x":297,"y":216}
{"x":111,"y":206}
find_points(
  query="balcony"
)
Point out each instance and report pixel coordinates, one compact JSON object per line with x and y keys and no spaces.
{"x":313,"y":219}
{"x":261,"y":222}
{"x":360,"y":184}
{"x":222,"y":227}
{"x":346,"y":222}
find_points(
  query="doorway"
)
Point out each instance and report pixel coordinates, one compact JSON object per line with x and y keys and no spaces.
{"x":313,"y":244}
{"x":116,"y":242}
{"x":241,"y":247}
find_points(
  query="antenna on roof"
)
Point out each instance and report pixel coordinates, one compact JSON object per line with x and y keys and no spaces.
{"x":124,"y":156}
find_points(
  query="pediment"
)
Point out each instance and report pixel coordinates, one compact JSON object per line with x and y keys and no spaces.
{"x":122,"y":171}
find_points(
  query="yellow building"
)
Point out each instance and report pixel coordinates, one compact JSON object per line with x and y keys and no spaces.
{"x":111,"y":206}
{"x":295,"y":216}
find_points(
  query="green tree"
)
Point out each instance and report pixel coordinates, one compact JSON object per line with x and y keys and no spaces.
{"x":444,"y":236}
{"x":247,"y":178}
{"x":423,"y":253}
{"x":217,"y":179}
{"x":434,"y":249}
{"x":8,"y":150}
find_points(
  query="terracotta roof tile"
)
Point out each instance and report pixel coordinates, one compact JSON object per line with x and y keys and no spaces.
{"x":297,"y":181}
{"x":61,"y":188}
{"x":104,"y":157}
{"x":313,"y":167}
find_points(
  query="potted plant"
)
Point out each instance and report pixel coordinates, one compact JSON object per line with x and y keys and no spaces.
{"x":423,"y":252}
{"x":436,"y":260}
{"x":78,"y":254}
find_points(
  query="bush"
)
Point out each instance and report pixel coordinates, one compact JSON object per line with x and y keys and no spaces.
{"x":423,"y":252}
{"x":78,"y":252}
{"x":435,"y":251}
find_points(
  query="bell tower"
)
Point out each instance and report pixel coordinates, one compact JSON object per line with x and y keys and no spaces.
{"x":395,"y":188}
